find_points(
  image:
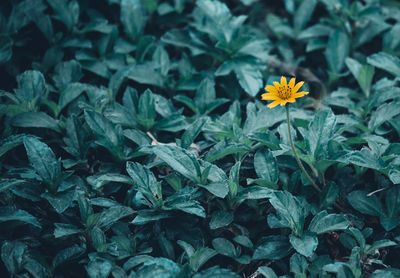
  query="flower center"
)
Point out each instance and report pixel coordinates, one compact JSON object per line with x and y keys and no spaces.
{"x":285,"y":92}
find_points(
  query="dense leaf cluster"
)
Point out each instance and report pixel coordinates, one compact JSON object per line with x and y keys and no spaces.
{"x":133,"y":143}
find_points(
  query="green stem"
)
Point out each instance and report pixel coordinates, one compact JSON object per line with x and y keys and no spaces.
{"x":295,"y":152}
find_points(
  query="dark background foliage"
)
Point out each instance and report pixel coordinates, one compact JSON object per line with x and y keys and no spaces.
{"x":134,"y":143}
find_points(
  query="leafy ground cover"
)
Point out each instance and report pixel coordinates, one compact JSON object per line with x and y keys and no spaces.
{"x":134,"y":141}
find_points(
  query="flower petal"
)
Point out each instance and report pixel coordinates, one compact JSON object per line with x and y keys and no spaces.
{"x":297,"y":87}
{"x":283,"y":81}
{"x":271,"y":89}
{"x":292,"y":82}
{"x":277,"y":85}
{"x":267,"y":96}
{"x":273,"y":104}
{"x":299,"y":94}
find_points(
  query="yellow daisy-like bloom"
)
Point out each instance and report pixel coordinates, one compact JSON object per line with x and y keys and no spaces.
{"x":282,"y":93}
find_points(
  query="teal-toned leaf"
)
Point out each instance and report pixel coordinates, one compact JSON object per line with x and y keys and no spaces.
{"x":43,"y":160}
{"x":6,"y":44}
{"x":179,"y":159}
{"x":133,"y":18}
{"x":216,"y":271}
{"x":325,"y":223}
{"x":320,"y":131}
{"x":110,"y":216}
{"x":386,"y":62}
{"x":36,"y":120}
{"x":250,"y":79}
{"x":31,"y":86}
{"x":266,"y":166}
{"x":220,"y":219}
{"x":365,"y":158}
{"x":267,"y":272}
{"x":337,"y":50}
{"x":70,"y":93}
{"x":146,"y":110}
{"x":107,"y":134}
{"x":66,"y":73}
{"x":303,"y":14}
{"x":59,"y":201}
{"x":10,"y":214}
{"x":272,"y":248}
{"x":184,"y":200}
{"x":97,"y":182}
{"x":385,"y":112}
{"x":224,"y":247}
{"x":289,"y":209}
{"x":298,"y":265}
{"x":368,"y":205}
{"x":200,"y":257}
{"x":67,"y":254}
{"x":62,"y":229}
{"x":98,"y":268}
{"x":192,"y":132}
{"x":362,"y":73}
{"x":305,"y":245}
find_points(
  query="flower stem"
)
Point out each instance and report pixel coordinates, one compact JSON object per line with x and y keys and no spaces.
{"x":295,"y":152}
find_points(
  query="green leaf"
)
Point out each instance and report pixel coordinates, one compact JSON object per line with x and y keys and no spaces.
{"x":272,"y":248}
{"x":97,"y":182}
{"x":59,"y":201}
{"x":31,"y":86}
{"x":250,"y":79}
{"x":110,"y":216}
{"x":385,"y":112}
{"x":67,"y":12}
{"x":66,"y":73}
{"x":67,"y":254}
{"x":147,"y":112}
{"x":133,"y":18}
{"x":337,"y":50}
{"x":325,"y":223}
{"x":365,"y":158}
{"x":224,"y":247}
{"x":267,"y":272}
{"x":220,"y":219}
{"x":179,"y":159}
{"x":219,"y":188}
{"x":37,"y":120}
{"x":144,"y":180}
{"x":62,"y":229}
{"x":107,"y":134}
{"x":368,"y":205}
{"x":290,"y":210}
{"x":192,"y":132}
{"x":10,"y":214}
{"x":6,"y":44}
{"x":266,"y":166}
{"x":386,"y":62}
{"x":305,"y":245}
{"x":98,"y":268}
{"x":44,"y":161}
{"x":184,"y":200}
{"x":303,"y":14}
{"x":362,"y":73}
{"x":70,"y":93}
{"x":216,"y":271}
{"x":320,"y":131}
{"x":200,"y":257}
{"x":298,"y":265}
{"x":11,"y":142}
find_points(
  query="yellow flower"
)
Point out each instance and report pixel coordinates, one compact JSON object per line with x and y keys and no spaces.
{"x":282,"y":93}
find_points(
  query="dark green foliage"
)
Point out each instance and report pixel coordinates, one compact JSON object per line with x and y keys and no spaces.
{"x":134,"y":142}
